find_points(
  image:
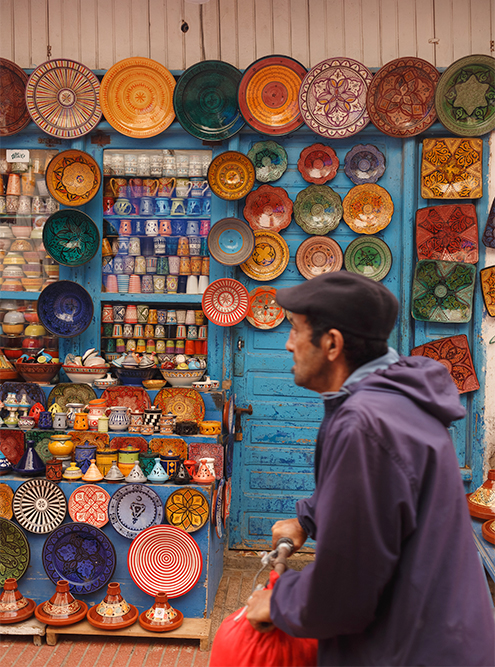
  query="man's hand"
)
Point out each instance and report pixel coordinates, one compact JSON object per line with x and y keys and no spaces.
{"x":289,"y":528}
{"x":258,"y":611}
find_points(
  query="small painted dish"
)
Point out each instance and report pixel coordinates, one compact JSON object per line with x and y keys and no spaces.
{"x":317,"y":255}
{"x":364,"y":163}
{"x":230,"y":241}
{"x":369,"y":257}
{"x":71,"y":237}
{"x":269,"y":259}
{"x":368,"y":208}
{"x":225,"y":302}
{"x":264,"y":311}
{"x":73,"y":177}
{"x":269,"y":159}
{"x":318,"y":164}
{"x":231,"y":175}
{"x":268,"y":208}
{"x":318,"y":209}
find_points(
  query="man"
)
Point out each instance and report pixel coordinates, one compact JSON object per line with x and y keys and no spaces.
{"x":396,"y":578}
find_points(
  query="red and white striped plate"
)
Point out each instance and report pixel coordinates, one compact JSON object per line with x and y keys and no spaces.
{"x":225,"y":302}
{"x":164,"y":558}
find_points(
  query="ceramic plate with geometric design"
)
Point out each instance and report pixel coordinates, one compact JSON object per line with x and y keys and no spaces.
{"x":447,"y":232}
{"x":39,"y":506}
{"x":452,"y":168}
{"x":187,"y":509}
{"x":443,"y":291}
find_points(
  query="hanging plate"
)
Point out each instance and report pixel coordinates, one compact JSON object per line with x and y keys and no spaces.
{"x":89,"y":504}
{"x":364,"y":163}
{"x":318,"y":209}
{"x":70,"y":392}
{"x":268,"y":208}
{"x":73,"y":177}
{"x":269,"y":159}
{"x":219,"y":509}
{"x":488,"y":237}
{"x":135,"y":398}
{"x":401,"y":97}
{"x":65,"y":308}
{"x":332,"y":97}
{"x":62,"y":98}
{"x":185,"y":404}
{"x":32,"y":390}
{"x":39,"y":506}
{"x":443,"y":291}
{"x":15,"y":553}
{"x":264,"y":311}
{"x":465,"y":96}
{"x":12,"y":445}
{"x":368,"y":256}
{"x":268,"y":95}
{"x":169,"y":447}
{"x":368,"y":208}
{"x":451,"y":168}
{"x":448,"y":232}
{"x":318,"y":164}
{"x":230,"y":241}
{"x":205,"y":100}
{"x":15,"y":116}
{"x":187,"y":509}
{"x":71,"y":237}
{"x":164,"y":558}
{"x":200,"y":450}
{"x":231,"y":175}
{"x":487,"y":279}
{"x":269,"y":259}
{"x":136,"y":97}
{"x":317,"y":255}
{"x":133,"y":508}
{"x":6,"y":495}
{"x":132,"y":441}
{"x":225,"y":302}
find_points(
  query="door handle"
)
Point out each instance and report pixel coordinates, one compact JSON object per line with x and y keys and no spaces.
{"x":238,"y":413}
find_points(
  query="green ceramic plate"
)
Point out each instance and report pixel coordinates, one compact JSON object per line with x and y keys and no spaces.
{"x":70,"y":237}
{"x":14,"y":551}
{"x":269,"y":159}
{"x":369,"y":257}
{"x":318,"y":209}
{"x":443,"y":291}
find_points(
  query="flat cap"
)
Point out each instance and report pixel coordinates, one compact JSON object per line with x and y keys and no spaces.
{"x":348,"y":301}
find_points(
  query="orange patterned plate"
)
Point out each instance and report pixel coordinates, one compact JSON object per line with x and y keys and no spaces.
{"x":231,"y":175}
{"x":452,"y":352}
{"x":452,"y":168}
{"x":318,"y":254}
{"x":73,"y":177}
{"x":100,"y":440}
{"x":264,"y":311}
{"x":368,"y":208}
{"x":185,"y":404}
{"x":187,"y":509}
{"x":6,"y":495}
{"x":136,"y":97}
{"x":269,"y":259}
{"x":134,"y":441}
{"x":177,"y":446}
{"x":268,"y":208}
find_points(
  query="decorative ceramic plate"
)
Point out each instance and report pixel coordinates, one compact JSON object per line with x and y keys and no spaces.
{"x":15,"y":116}
{"x":488,"y":530}
{"x":318,"y":164}
{"x":401,"y":97}
{"x":269,"y":259}
{"x":488,"y":237}
{"x":230,"y":241}
{"x":14,"y":551}
{"x":187,"y":509}
{"x":200,"y":450}
{"x":73,"y":177}
{"x":231,"y":175}
{"x":12,"y":445}
{"x":71,"y":237}
{"x":318,"y":209}
{"x":225,"y":302}
{"x":100,"y":440}
{"x":6,"y":495}
{"x":41,"y":440}
{"x":364,"y":163}
{"x":39,"y":506}
{"x":368,"y":256}
{"x":368,"y":208}
{"x":229,"y":455}
{"x":89,"y":504}
{"x":65,"y":308}
{"x":465,"y":96}
{"x":264,"y":311}
{"x":317,"y":255}
{"x":33,"y":391}
{"x":164,"y":558}
{"x":452,"y":169}
{"x":487,"y":279}
{"x":227,"y":497}
{"x":219,"y":509}
{"x":268,"y":208}
{"x":136,"y":97}
{"x":70,"y":392}
{"x":135,"y":398}
{"x":62,"y":98}
{"x":269,"y":159}
{"x":205,"y":100}
{"x":134,"y":441}
{"x":443,"y":291}
{"x":82,"y":555}
{"x":229,"y":413}
{"x":185,"y":404}
{"x":448,"y":232}
{"x":133,"y":508}
{"x":268,"y":95}
{"x":164,"y":446}
{"x":332,"y":97}
{"x":453,"y":353}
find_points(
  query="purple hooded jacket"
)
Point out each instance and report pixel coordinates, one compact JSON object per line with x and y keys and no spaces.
{"x":396,"y":578}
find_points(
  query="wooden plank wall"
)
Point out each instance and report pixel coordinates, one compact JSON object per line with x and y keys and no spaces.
{"x":101,"y":32}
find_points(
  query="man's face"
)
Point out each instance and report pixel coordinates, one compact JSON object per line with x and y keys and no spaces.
{"x":311,"y":365}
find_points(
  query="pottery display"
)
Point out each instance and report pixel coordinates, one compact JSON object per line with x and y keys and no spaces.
{"x":481,"y":503}
{"x":113,"y":612}
{"x":14,"y":607}
{"x":62,"y":608}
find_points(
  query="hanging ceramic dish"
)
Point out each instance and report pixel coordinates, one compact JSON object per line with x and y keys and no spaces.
{"x":15,"y":553}
{"x":364,"y":163}
{"x":164,"y":558}
{"x":15,"y":116}
{"x":452,"y":169}
{"x":131,"y":441}
{"x":401,"y":97}
{"x":368,"y":208}
{"x":205,"y":100}
{"x":73,"y":177}
{"x":332,"y":98}
{"x":169,"y":447}
{"x":187,"y":509}
{"x":269,"y":159}
{"x":12,"y":445}
{"x":452,"y":352}
{"x":268,"y":208}
{"x":443,"y":291}
{"x":488,"y":237}
{"x":63,"y":98}
{"x":487,"y":279}
{"x":464,"y":96}
{"x":269,"y":259}
{"x":447,"y":232}
{"x":225,"y":302}
{"x":71,"y":237}
{"x":136,"y":97}
{"x":264,"y":311}
{"x":133,"y":508}
{"x":89,"y":504}
{"x":268,"y":95}
{"x":33,"y":391}
{"x":65,"y":308}
{"x":230,"y":241}
{"x":6,"y":495}
{"x":70,"y":392}
{"x":368,"y":256}
{"x":219,"y":509}
{"x":317,"y":255}
{"x":185,"y":404}
{"x":318,"y":209}
{"x":231,"y":175}
{"x":201,"y":450}
{"x":135,"y":398}
{"x":318,"y":164}
{"x":39,"y":506}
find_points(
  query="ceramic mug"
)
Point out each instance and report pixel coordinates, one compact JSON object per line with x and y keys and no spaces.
{"x":136,"y":187}
{"x":150,"y":186}
{"x":14,"y":184}
{"x":166,"y":186}
{"x":183,"y":187}
{"x":119,"y":187}
{"x":199,"y":187}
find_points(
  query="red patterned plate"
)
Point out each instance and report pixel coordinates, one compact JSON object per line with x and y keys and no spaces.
{"x":185,"y":404}
{"x":225,"y":302}
{"x":164,"y":558}
{"x":135,"y":398}
{"x":12,"y":444}
{"x":318,"y":164}
{"x":134,"y":441}
{"x":264,"y":311}
{"x":200,"y":450}
{"x":89,"y":504}
{"x":318,"y":254}
{"x":268,"y":208}
{"x":447,"y":232}
{"x":15,"y":115}
{"x":227,"y":496}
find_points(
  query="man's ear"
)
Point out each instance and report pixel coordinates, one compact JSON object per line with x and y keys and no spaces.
{"x":334,"y":342}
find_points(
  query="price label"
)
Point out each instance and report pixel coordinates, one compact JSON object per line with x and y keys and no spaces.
{"x":17,"y":155}
{"x":159,"y":613}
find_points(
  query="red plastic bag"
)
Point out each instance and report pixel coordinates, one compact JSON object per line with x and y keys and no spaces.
{"x":238,"y":644}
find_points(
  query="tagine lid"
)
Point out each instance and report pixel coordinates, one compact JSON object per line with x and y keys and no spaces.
{"x":481,"y":503}
{"x":14,"y":607}
{"x":62,"y":608}
{"x":161,"y":617}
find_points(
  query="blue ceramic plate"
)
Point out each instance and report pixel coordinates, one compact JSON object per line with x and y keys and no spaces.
{"x":65,"y":308}
{"x":133,"y":508}
{"x":81,"y":554}
{"x":70,"y":237}
{"x":231,"y":241}
{"x":33,"y":391}
{"x":364,"y":163}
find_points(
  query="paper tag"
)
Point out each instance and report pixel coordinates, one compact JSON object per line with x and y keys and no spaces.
{"x":17,"y":155}
{"x":159,"y":613}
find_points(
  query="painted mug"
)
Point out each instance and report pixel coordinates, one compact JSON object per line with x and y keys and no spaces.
{"x":166,"y":187}
{"x":136,"y":187}
{"x":119,"y":187}
{"x":183,"y":187}
{"x":150,"y":186}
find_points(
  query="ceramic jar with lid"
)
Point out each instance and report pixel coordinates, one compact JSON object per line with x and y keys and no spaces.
{"x":152,"y":417}
{"x":97,"y":409}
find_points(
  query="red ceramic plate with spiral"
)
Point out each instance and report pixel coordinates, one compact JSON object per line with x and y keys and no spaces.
{"x":225,"y":302}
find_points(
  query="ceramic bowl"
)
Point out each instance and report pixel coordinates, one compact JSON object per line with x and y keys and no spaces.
{"x":33,"y":257}
{"x":35,"y":330}
{"x":134,"y":375}
{"x":182,"y":378}
{"x":12,"y":328}
{"x":13,"y":352}
{"x":21,"y":245}
{"x":13,"y":271}
{"x":153,"y":384}
{"x":105,"y":382}
{"x":21,"y":231}
{"x":38,"y":373}
{"x":32,"y":270}
{"x":85,"y":374}
{"x":13,"y":258}
{"x":32,"y":284}
{"x":12,"y":285}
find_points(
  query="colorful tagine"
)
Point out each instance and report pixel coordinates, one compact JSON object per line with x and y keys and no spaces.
{"x":113,"y":613}
{"x":162,"y":617}
{"x":62,"y":608}
{"x":481,"y":503}
{"x":14,"y":607}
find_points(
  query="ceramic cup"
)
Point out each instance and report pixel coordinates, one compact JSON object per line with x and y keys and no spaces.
{"x":151,"y":227}
{"x":118,"y":264}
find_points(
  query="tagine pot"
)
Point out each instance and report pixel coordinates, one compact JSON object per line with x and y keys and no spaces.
{"x":481,"y":503}
{"x":161,"y":617}
{"x":113,"y":613}
{"x":30,"y":464}
{"x":62,"y":608}
{"x":14,"y":607}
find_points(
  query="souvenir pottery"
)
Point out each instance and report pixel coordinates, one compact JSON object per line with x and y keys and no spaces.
{"x":481,"y":503}
{"x":14,"y":607}
{"x":182,"y":475}
{"x":105,"y":458}
{"x":162,"y":617}
{"x":204,"y":475}
{"x":210,"y":428}
{"x":158,"y":474}
{"x":54,"y":470}
{"x":59,"y":420}
{"x":136,"y":476}
{"x":114,"y":474}
{"x":113,"y":613}
{"x":81,"y":421}
{"x":119,"y":418}
{"x":170,"y":463}
{"x":97,"y":409}
{"x":60,"y":445}
{"x":92,"y":474}
{"x":72,"y":472}
{"x":83,"y":453}
{"x":152,"y":417}
{"x":72,"y":410}
{"x":5,"y":465}
{"x":62,"y":608}
{"x":30,"y":463}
